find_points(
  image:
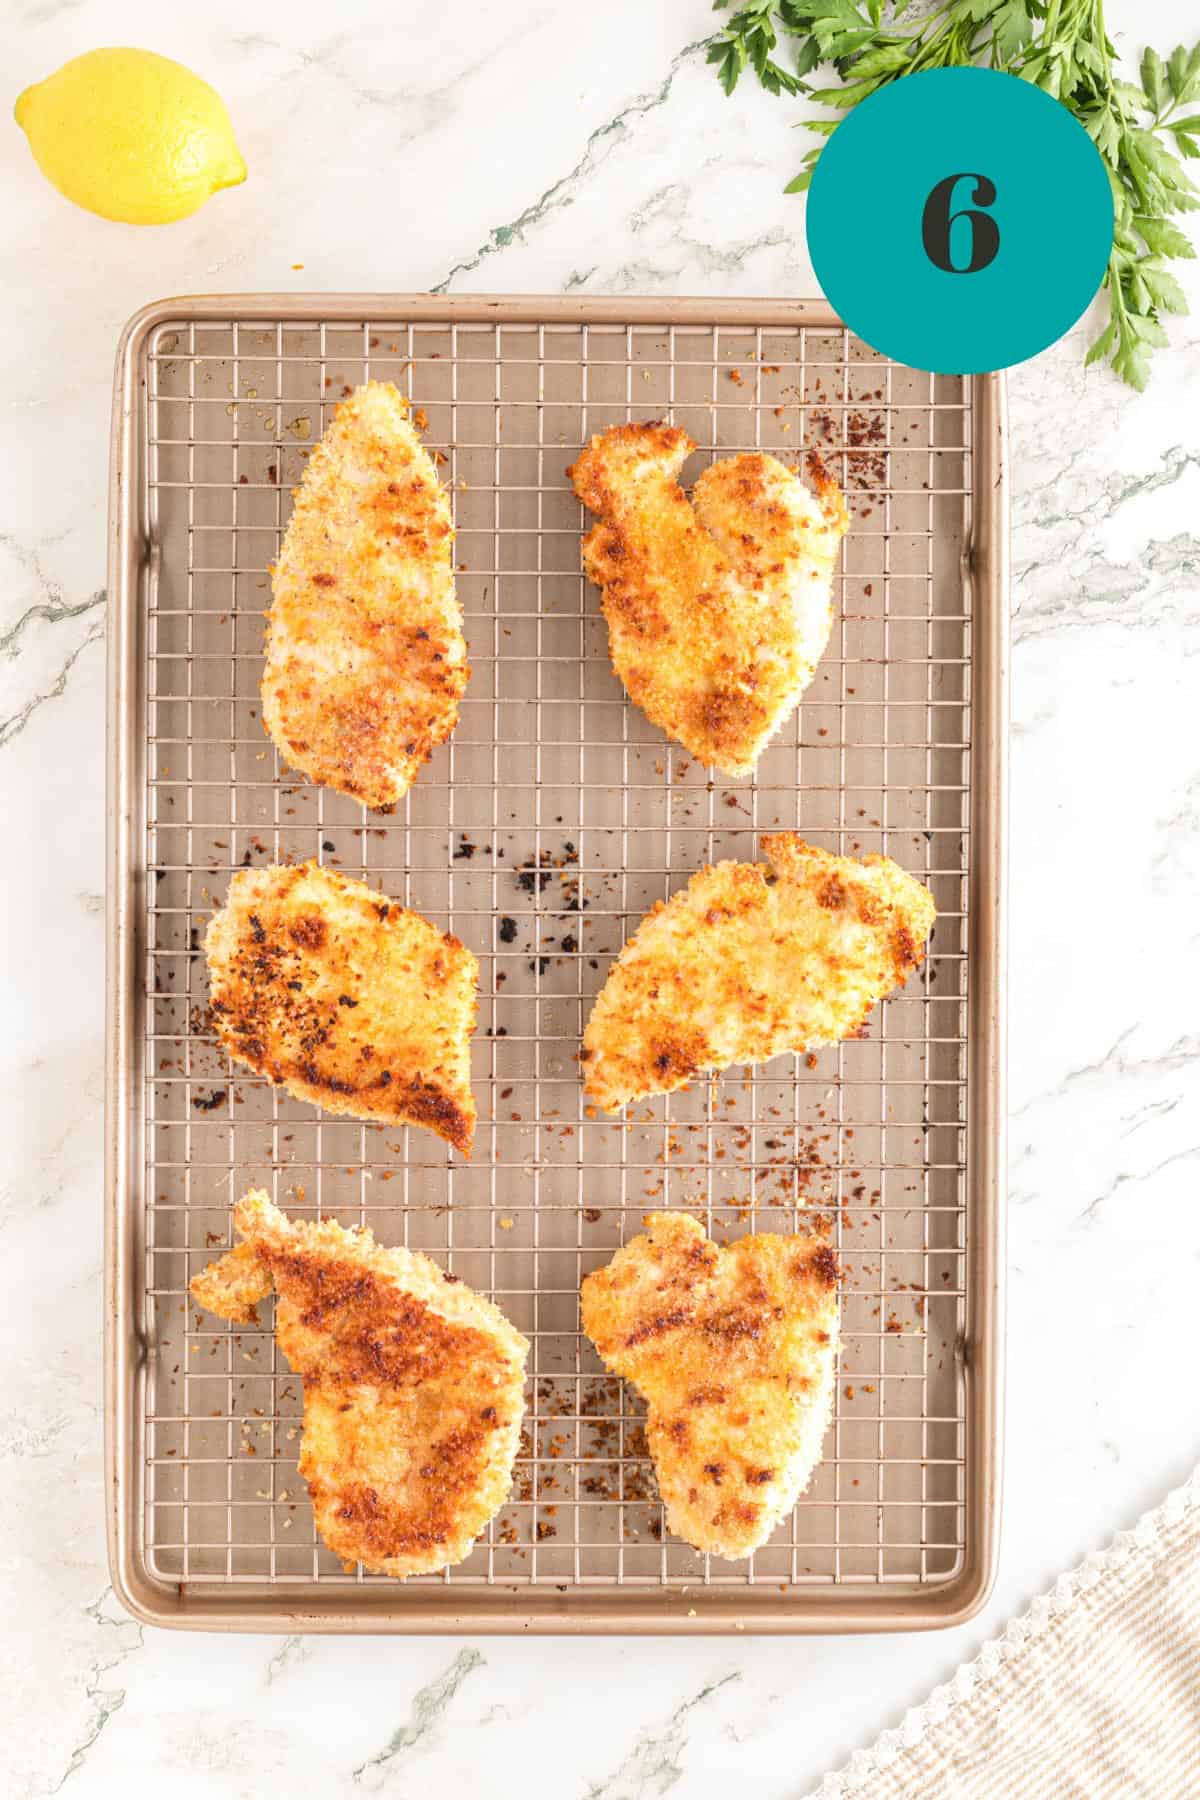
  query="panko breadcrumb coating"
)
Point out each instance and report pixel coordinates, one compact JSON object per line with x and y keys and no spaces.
{"x":748,"y":961}
{"x":733,"y":1350}
{"x":718,"y":607}
{"x":331,"y":990}
{"x":413,"y":1385}
{"x":366,"y":661}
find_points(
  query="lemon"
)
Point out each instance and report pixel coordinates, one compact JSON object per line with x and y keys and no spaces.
{"x":131,"y":136}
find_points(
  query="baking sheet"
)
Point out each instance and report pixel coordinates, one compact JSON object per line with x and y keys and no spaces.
{"x":540,"y":834}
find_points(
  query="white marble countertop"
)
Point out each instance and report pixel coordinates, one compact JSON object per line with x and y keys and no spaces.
{"x":535,"y":146}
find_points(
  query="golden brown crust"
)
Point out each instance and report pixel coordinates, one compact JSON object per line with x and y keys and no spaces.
{"x":334,"y":992}
{"x":413,"y":1386}
{"x":747,"y":962}
{"x":232,"y":1286}
{"x":366,"y":661}
{"x":717,"y":608}
{"x":734,"y":1352}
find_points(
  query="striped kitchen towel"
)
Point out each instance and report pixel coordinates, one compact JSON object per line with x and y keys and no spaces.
{"x":1094,"y":1694}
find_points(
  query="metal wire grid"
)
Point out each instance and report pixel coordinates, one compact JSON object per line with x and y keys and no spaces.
{"x":540,"y":834}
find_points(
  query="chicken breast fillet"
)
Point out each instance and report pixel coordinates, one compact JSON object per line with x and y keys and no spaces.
{"x":718,"y":608}
{"x":733,"y":1350}
{"x":748,"y":961}
{"x":334,"y":992}
{"x":366,"y":661}
{"x":413,"y":1385}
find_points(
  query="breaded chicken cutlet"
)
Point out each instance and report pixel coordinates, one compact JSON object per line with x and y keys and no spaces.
{"x":336,"y":993}
{"x":748,"y":961}
{"x":733,"y":1350}
{"x":718,"y":607}
{"x":365,"y":657}
{"x":413,"y":1385}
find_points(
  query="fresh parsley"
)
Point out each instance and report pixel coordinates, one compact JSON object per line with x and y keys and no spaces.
{"x":1142,"y":132}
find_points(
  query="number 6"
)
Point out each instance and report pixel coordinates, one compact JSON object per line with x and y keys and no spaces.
{"x":937,"y":219}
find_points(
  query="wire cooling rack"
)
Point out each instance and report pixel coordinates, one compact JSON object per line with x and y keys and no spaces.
{"x":540,"y":834}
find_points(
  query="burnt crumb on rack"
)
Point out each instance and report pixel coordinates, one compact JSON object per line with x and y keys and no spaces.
{"x":210,"y":1102}
{"x":200,"y":1022}
{"x":866,"y":463}
{"x":534,"y":875}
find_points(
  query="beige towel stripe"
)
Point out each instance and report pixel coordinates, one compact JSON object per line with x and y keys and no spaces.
{"x":1093,"y":1694}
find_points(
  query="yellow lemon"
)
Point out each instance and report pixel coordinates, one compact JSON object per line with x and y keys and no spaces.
{"x":131,"y":136}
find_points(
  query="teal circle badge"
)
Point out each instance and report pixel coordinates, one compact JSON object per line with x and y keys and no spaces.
{"x":960,"y":220}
